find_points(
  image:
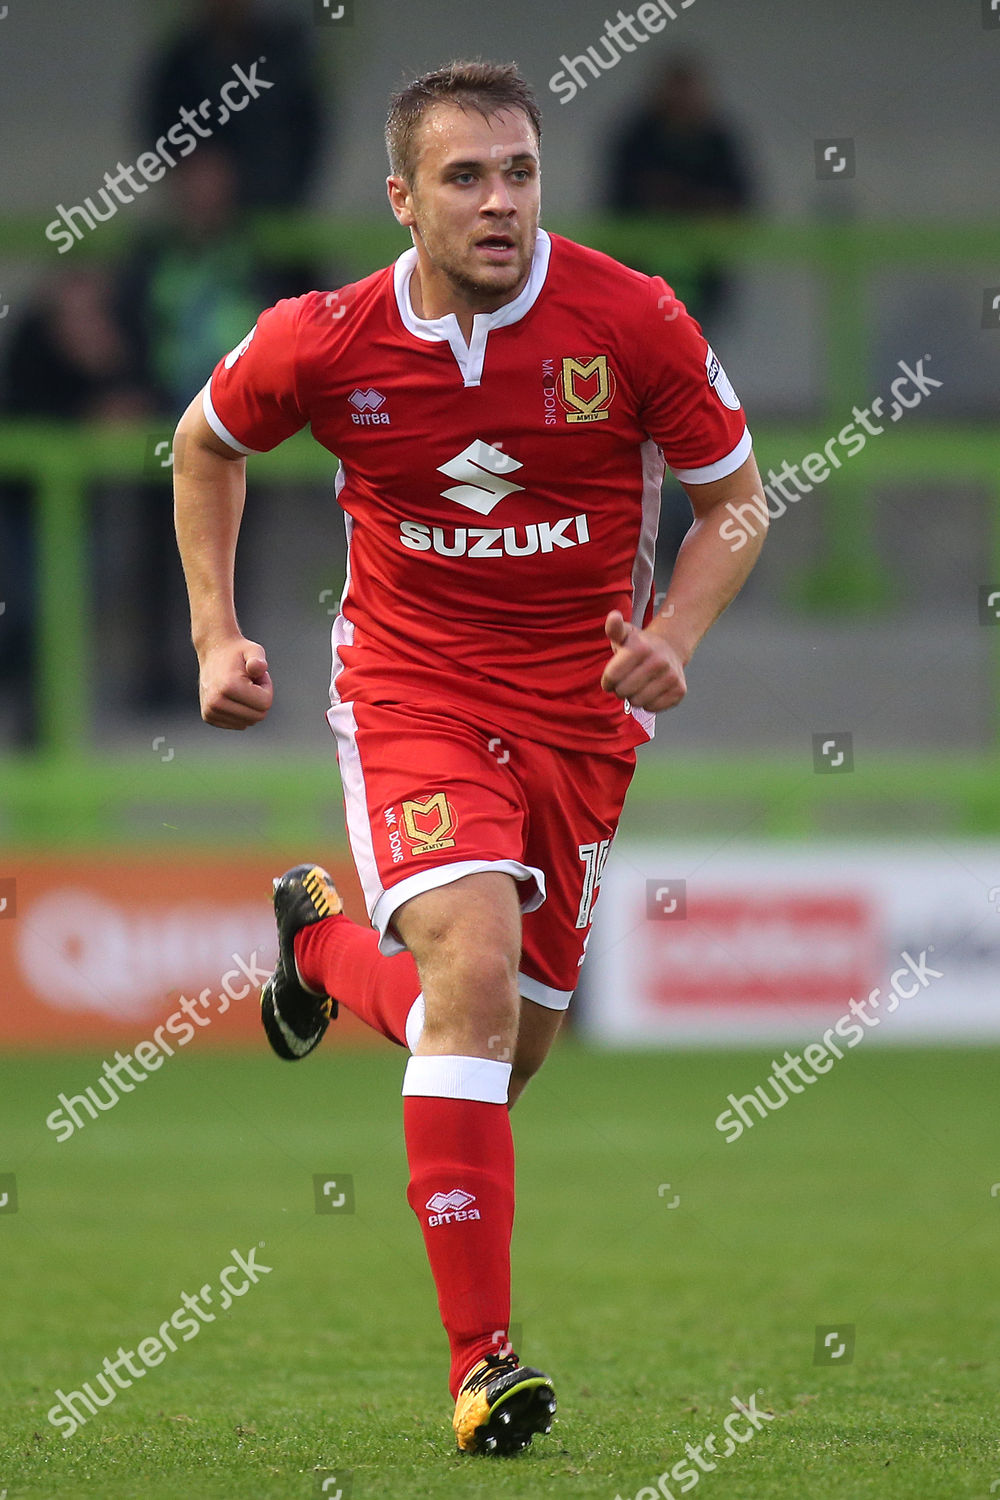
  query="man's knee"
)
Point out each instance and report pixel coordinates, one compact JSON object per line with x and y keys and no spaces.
{"x":479,"y":965}
{"x":476,"y":1004}
{"x":466,"y":940}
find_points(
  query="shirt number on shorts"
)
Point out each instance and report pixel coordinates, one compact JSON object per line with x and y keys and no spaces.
{"x":594,"y":857}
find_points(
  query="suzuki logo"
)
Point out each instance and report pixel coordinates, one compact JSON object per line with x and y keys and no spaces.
{"x":366,"y":400}
{"x":479,"y":467}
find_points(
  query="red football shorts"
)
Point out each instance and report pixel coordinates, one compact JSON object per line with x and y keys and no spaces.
{"x":430,"y":798}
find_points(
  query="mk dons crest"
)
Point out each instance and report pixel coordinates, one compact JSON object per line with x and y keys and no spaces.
{"x":427,"y":826}
{"x":586,"y":388}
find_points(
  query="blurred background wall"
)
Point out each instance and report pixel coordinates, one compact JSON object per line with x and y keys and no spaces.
{"x":910,"y":82}
{"x":915,"y":80}
{"x":869,"y":615}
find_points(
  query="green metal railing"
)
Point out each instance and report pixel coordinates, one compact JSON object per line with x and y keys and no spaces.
{"x":295,"y":802}
{"x":62,"y":463}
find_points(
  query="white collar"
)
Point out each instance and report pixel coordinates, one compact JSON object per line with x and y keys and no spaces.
{"x":469,"y":356}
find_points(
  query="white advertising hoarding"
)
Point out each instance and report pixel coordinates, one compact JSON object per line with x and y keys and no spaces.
{"x":696,"y":944}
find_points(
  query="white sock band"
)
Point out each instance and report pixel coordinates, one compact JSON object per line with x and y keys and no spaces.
{"x":415,"y":1022}
{"x":458,"y":1078}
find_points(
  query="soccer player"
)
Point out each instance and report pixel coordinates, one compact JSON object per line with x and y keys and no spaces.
{"x":502,"y":403}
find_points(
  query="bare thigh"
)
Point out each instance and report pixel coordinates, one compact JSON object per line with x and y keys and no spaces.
{"x":466,"y":940}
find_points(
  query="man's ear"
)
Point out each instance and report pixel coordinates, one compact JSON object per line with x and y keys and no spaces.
{"x":400,"y":201}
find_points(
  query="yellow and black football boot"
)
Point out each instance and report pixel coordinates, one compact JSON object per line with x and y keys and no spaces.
{"x":293,"y":1016}
{"x":501,"y":1406}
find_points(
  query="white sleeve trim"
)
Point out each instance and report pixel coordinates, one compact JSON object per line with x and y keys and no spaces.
{"x":719,"y":470}
{"x":218,"y":427}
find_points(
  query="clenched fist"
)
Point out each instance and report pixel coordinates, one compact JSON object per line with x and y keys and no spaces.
{"x":234,"y":685}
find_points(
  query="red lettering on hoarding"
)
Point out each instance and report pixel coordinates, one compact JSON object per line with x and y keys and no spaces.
{"x":767,"y":948}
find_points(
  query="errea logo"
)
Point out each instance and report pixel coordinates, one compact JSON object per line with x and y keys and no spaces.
{"x":451,"y":1208}
{"x":368,"y":409}
{"x":480,"y":469}
{"x":457,"y":1198}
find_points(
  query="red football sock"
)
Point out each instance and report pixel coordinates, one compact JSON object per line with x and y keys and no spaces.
{"x":461,"y":1157}
{"x":338,"y":957}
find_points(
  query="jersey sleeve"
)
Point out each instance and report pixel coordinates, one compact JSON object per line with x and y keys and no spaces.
{"x":252,"y":400}
{"x":687,"y":403}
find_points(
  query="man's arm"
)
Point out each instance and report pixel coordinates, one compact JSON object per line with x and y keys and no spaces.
{"x":647,"y":666}
{"x":209,"y":491}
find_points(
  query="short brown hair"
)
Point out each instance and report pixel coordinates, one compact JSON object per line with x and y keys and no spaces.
{"x":483,"y":86}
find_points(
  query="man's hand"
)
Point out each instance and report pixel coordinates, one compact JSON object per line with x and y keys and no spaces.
{"x":235,"y":686}
{"x":644,"y":667}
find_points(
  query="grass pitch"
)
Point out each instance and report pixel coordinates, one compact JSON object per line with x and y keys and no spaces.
{"x":658,"y":1273}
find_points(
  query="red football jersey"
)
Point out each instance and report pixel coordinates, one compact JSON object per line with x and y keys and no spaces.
{"x":501,"y":496}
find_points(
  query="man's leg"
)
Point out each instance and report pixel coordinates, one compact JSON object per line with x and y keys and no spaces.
{"x":466,"y":940}
{"x":340,"y":958}
{"x":325,"y":960}
{"x":459,"y":923}
{"x":383,"y":755}
{"x":536,"y":1032}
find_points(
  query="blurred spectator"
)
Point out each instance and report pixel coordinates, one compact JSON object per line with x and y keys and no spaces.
{"x":194,"y":284}
{"x":276,"y":139}
{"x":677,"y":156}
{"x":68,"y":360}
{"x":190,"y":291}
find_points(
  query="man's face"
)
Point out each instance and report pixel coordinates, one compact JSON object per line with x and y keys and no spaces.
{"x":474,"y":200}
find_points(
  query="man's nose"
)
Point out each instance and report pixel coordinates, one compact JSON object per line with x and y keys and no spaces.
{"x":498,"y":198}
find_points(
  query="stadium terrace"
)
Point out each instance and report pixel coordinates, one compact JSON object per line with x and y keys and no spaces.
{"x":750,"y":517}
{"x":124,"y":186}
{"x":653,"y":15}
